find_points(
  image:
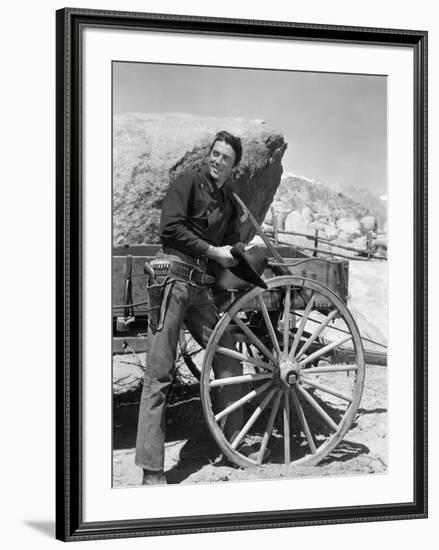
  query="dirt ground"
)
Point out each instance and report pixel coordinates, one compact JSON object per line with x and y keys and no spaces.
{"x":192,"y":456}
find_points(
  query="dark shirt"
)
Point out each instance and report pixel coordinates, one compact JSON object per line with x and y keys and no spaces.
{"x":196,"y":214}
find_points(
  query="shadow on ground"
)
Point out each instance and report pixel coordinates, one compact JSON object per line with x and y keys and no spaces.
{"x":187,"y":425}
{"x":184,"y":422}
{"x":45,"y":527}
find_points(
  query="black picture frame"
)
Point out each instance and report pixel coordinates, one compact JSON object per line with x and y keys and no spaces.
{"x":70,"y":525}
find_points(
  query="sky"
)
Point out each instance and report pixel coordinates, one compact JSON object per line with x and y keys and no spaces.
{"x":335,"y":124}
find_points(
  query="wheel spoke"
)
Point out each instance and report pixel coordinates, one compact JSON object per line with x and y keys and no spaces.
{"x":338,"y":329}
{"x":254,"y":339}
{"x":337,"y":368}
{"x":287,"y":451}
{"x":286,"y":318}
{"x":237,"y":404}
{"x":269,"y":428}
{"x":252,"y":419}
{"x":241,"y":357}
{"x":269,"y":324}
{"x":303,"y":422}
{"x":324,"y":350}
{"x":239,"y":379}
{"x":326,"y":389}
{"x":249,"y":350}
{"x":317,"y":408}
{"x":302,"y":324}
{"x":317,"y":331}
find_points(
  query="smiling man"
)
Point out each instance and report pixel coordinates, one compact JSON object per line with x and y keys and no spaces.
{"x":198,"y":226}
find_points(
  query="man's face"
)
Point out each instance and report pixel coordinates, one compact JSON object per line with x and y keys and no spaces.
{"x":221,"y":160}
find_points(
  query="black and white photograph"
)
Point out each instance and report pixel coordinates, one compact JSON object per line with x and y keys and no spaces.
{"x":215,"y":274}
{"x":249,"y":274}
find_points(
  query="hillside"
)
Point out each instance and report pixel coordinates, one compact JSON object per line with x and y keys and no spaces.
{"x":299,"y":192}
{"x":347,"y":215}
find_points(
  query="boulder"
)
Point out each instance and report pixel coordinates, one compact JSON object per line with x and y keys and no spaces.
{"x":338,"y":213}
{"x":294,"y":222}
{"x":360,"y":242}
{"x":331,"y":232}
{"x":151,"y":150}
{"x":343,"y":237}
{"x":323,"y":212}
{"x":316,"y":225}
{"x":350,"y":226}
{"x":307,"y":214}
{"x":380,"y":241}
{"x":368,"y":223}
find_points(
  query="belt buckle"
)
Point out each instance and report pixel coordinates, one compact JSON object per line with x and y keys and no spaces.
{"x":191,"y":272}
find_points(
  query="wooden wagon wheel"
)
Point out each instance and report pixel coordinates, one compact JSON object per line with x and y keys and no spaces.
{"x":191,"y":352}
{"x":294,"y":402}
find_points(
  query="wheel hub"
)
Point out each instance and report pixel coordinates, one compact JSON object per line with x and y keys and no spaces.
{"x":289,"y":372}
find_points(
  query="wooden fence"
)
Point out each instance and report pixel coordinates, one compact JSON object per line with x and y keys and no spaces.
{"x":363,"y":254}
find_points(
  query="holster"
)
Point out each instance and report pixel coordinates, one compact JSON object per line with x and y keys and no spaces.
{"x":158,"y":283}
{"x":158,"y":296}
{"x":164,"y":269}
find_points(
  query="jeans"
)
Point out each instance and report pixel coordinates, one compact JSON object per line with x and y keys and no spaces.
{"x":194,"y":306}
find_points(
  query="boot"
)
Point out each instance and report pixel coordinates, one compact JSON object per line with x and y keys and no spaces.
{"x":151,"y":477}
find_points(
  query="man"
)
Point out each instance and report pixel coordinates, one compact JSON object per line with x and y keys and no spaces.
{"x":199,"y":223}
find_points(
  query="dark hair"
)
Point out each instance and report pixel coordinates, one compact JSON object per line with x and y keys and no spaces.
{"x":234,"y":142}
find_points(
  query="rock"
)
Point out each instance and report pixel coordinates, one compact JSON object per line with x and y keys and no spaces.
{"x":380,"y":241}
{"x":294,"y":222}
{"x":324,"y":212}
{"x":151,"y":150}
{"x":360,"y":242}
{"x":316,"y":225}
{"x":343,"y":237}
{"x":307,"y":214}
{"x":371,"y":202}
{"x":339,"y":213}
{"x":349,"y":226}
{"x":331,"y":232}
{"x":385,"y":228}
{"x":368,"y":223}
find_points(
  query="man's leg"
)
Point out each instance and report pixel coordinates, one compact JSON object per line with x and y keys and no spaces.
{"x":200,"y":320}
{"x":160,"y":368}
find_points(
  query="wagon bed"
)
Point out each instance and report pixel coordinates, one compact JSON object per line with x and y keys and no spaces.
{"x":129,"y":284}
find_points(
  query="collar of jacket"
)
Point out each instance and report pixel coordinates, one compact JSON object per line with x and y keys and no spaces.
{"x":211,"y":185}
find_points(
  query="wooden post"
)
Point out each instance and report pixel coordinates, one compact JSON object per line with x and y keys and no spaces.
{"x":316,"y":242}
{"x":128,"y":297}
{"x":275,"y":226}
{"x":369,"y":244}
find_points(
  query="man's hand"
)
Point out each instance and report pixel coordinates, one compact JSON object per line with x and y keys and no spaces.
{"x":222,"y":255}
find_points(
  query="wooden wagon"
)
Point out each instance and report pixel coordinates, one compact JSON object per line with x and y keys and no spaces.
{"x":302,"y":355}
